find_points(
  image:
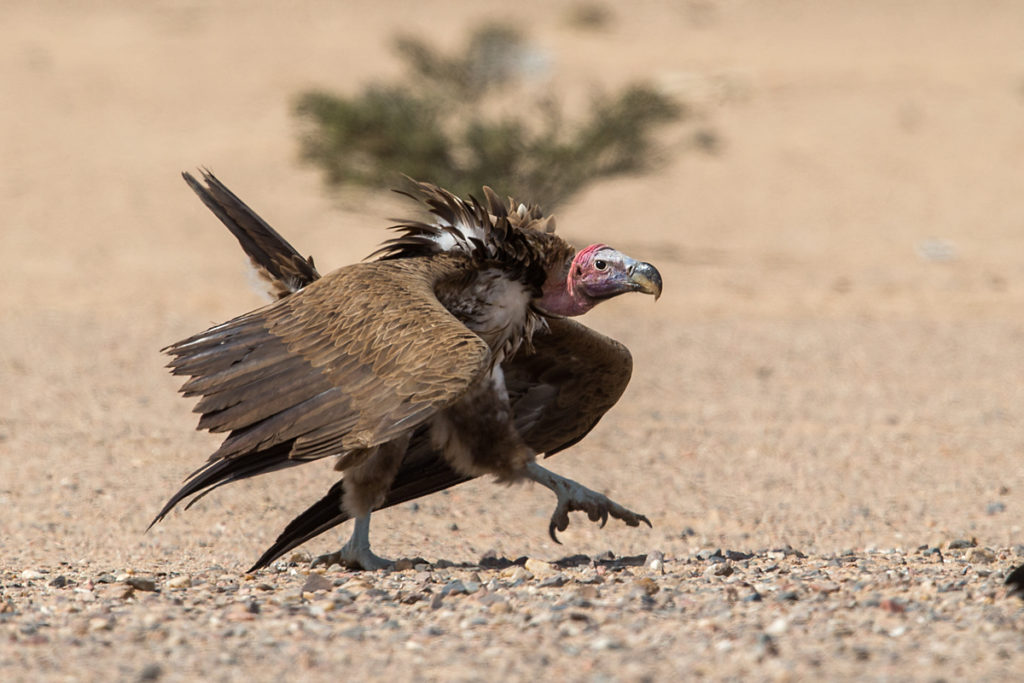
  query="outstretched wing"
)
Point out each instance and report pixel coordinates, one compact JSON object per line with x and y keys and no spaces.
{"x":276,"y":261}
{"x":559,"y":393}
{"x":349,"y":362}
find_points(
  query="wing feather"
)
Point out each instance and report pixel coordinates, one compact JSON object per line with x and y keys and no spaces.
{"x":351,"y":361}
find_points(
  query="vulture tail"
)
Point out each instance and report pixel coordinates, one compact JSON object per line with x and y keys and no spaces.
{"x":272,"y":256}
{"x":413,"y":481}
{"x":217,"y":473}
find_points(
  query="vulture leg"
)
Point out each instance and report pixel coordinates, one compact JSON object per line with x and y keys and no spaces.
{"x":364,"y":487}
{"x":573,"y":496}
{"x":355,"y":554}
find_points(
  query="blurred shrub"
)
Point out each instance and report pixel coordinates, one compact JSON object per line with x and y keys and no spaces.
{"x":440,"y":125}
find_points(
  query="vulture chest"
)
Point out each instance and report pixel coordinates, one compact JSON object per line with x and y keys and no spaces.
{"x":496,"y":307}
{"x":477,"y":434}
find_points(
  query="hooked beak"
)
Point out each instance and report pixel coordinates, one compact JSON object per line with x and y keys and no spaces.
{"x":643,"y":277}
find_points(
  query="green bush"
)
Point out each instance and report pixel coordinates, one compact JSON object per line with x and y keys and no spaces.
{"x":437,"y":125}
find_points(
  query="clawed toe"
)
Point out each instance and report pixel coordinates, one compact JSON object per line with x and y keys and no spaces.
{"x":327,"y":560}
{"x":599,"y":508}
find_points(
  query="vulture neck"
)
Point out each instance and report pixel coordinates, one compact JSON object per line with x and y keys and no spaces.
{"x":559,"y":300}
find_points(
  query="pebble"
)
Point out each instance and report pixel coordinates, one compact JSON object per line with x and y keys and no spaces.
{"x":824,"y":586}
{"x":181,"y":581}
{"x":556,"y":581}
{"x":606,"y":643}
{"x":318,"y":582}
{"x":141,"y":583}
{"x":779,"y":626}
{"x":980,"y":555}
{"x":540,"y":567}
{"x":655,"y":561}
{"x":32,"y":575}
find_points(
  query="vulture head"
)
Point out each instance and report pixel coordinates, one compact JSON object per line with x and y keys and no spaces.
{"x":594,"y":274}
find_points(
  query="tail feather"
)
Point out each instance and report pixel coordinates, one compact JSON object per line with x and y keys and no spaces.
{"x":217,"y":473}
{"x":274,"y":258}
{"x":1016,"y":582}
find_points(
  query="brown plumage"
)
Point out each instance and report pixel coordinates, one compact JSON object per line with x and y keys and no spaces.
{"x":445,"y":359}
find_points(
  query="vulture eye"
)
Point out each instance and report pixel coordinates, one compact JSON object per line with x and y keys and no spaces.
{"x":600,"y":264}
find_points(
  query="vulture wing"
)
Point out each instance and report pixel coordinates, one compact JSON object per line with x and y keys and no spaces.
{"x":559,"y":393}
{"x":349,"y":362}
{"x":272,"y":256}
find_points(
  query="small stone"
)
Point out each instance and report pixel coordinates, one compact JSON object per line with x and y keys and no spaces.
{"x":556,"y":581}
{"x":649,"y":585}
{"x":239,"y":612}
{"x":141,"y":583}
{"x":766,"y":646}
{"x":501,"y":607}
{"x":962,"y":543}
{"x":724,"y":569}
{"x":318,"y":582}
{"x":655,"y":561}
{"x":151,"y":672}
{"x":980,"y":555}
{"x":32,"y":575}
{"x":454,"y":588}
{"x":825,"y":587}
{"x":515,"y":573}
{"x":893,"y":605}
{"x":101,"y":623}
{"x":182,"y":581}
{"x":539,"y":567}
{"x":777,"y":627}
{"x":453,"y":527}
{"x":606,"y":643}
{"x":300,"y":557}
{"x":356,"y":585}
{"x":59,"y":582}
{"x":737,"y":556}
{"x":404,"y":564}
{"x":995,"y":508}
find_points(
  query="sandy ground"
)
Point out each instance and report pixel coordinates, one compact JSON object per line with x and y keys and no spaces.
{"x":836,"y":367}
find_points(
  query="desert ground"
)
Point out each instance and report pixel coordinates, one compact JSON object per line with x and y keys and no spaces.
{"x":825,"y":423}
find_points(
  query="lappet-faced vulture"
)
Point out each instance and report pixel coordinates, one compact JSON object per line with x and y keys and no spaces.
{"x":449,"y":356}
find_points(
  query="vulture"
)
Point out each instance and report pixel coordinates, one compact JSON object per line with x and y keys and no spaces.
{"x":448,"y":354}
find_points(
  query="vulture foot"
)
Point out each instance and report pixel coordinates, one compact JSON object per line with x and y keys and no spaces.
{"x":574,"y":497}
{"x":355,"y":554}
{"x":353,"y":558}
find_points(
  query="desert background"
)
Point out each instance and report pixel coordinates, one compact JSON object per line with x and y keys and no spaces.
{"x":831,"y":387}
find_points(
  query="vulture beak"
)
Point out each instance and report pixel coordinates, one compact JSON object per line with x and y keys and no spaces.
{"x":644,"y":277}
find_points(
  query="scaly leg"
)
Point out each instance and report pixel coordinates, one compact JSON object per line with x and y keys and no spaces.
{"x":573,"y":496}
{"x":356,"y":553}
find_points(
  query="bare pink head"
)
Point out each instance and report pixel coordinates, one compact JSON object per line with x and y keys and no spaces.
{"x":596,"y":273}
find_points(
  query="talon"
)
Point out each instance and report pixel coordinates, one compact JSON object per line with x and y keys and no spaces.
{"x":604,"y":518}
{"x":326,"y":560}
{"x":551,"y":532}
